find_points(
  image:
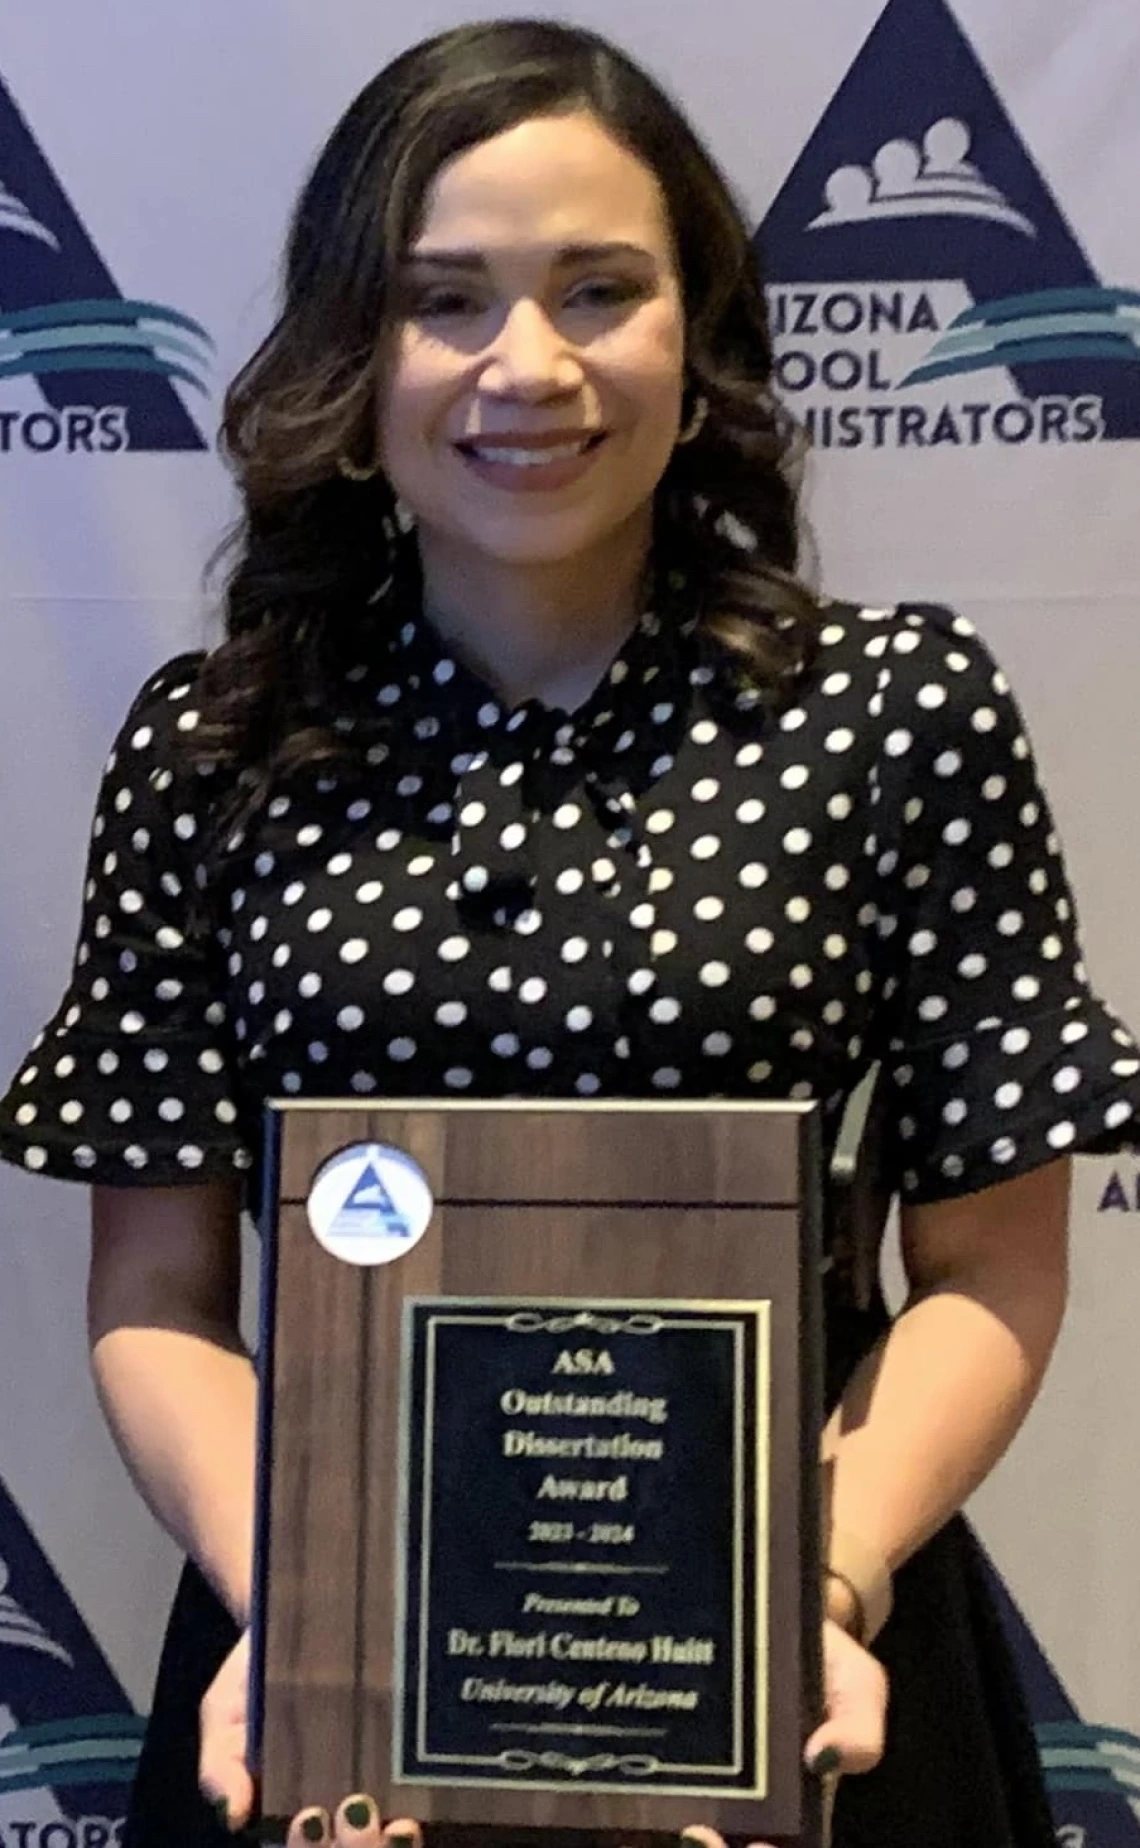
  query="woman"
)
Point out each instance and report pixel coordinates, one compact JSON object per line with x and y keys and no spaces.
{"x":528,"y":767}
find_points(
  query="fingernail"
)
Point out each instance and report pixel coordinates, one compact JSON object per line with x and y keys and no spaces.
{"x":313,"y":1829}
{"x":827,"y":1761}
{"x":221,"y":1809}
{"x":401,"y":1841}
{"x":359,"y":1813}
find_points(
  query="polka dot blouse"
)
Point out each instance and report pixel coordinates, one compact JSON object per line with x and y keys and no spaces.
{"x":669,"y":892}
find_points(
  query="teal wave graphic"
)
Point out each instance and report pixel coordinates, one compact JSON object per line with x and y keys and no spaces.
{"x":106,"y":336}
{"x":1046,"y":325}
{"x":1091,"y":1758}
{"x":94,"y":1749}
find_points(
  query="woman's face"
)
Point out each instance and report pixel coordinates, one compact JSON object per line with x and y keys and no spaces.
{"x":533,"y":395}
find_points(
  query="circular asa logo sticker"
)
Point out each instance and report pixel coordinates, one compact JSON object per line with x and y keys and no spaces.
{"x":370,"y":1204}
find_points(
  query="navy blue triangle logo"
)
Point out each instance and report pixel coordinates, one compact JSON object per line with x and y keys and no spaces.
{"x":1121,"y":1193}
{"x":1092,"y":1773}
{"x":76,"y":1732}
{"x":105,"y":365}
{"x":370,"y":1208}
{"x":917,"y":173}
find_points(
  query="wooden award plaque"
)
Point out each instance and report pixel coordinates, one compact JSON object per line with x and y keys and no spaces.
{"x":538,"y":1521}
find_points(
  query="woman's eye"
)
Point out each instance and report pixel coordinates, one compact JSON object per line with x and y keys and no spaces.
{"x":605,"y":292}
{"x":443,"y":304}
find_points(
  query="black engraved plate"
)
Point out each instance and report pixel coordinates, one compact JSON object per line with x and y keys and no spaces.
{"x":583,"y":1545}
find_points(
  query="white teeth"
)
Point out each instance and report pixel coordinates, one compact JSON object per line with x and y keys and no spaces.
{"x":531,"y":458}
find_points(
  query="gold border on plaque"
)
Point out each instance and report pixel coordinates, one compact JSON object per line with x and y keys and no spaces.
{"x":681,"y":1313}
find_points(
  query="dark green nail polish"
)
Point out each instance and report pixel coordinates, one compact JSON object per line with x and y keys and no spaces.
{"x":827,"y":1761}
{"x":401,"y":1841}
{"x":358,"y":1813}
{"x":313,"y":1829}
{"x":221,"y":1810}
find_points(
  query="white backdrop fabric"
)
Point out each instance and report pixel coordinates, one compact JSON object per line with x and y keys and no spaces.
{"x":949,"y":196}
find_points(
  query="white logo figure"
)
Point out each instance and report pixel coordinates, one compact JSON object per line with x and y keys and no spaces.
{"x":20,"y":1631}
{"x":370,"y":1204}
{"x":15,"y":216}
{"x":904,"y":181}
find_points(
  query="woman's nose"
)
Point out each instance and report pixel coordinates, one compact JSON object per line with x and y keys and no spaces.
{"x":531,"y":358}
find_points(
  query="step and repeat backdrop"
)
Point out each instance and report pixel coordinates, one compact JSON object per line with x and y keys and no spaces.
{"x":947,"y":197}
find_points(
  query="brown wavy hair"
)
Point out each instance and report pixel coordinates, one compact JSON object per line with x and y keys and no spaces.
{"x":313,"y":549}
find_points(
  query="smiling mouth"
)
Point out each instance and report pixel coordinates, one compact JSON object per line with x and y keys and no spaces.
{"x":532,"y":455}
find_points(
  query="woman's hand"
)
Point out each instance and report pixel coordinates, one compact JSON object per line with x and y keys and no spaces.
{"x":356,"y":1825}
{"x":855,"y":1696}
{"x":223,"y":1774}
{"x":850,"y":1739}
{"x":225,"y":1780}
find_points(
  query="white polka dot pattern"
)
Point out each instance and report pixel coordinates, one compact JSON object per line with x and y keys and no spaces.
{"x":665,"y":893}
{"x":148,"y":995}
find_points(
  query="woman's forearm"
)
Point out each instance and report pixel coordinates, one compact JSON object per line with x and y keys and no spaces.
{"x":930,"y":1411}
{"x":928,"y":1414}
{"x":181,"y":1406}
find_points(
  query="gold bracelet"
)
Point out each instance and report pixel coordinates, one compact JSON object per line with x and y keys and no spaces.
{"x":864,"y":1574}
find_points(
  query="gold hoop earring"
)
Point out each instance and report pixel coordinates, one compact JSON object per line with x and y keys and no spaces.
{"x":696,"y":423}
{"x":353,"y":471}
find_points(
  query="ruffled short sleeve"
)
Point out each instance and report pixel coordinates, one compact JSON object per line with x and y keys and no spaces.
{"x":998,"y":1055}
{"x":131,"y":1082}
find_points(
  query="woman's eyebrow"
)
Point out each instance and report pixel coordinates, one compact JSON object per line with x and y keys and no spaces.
{"x":569,"y":254}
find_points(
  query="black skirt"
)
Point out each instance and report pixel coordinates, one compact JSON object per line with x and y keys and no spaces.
{"x":960,"y":1768}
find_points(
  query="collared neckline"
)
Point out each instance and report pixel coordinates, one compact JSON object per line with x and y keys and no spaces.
{"x":419,"y":681}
